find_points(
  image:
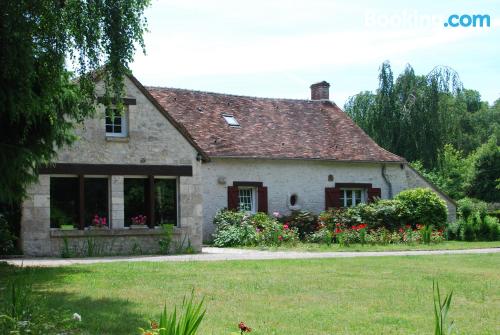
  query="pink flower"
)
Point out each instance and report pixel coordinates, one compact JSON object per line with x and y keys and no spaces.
{"x":285,"y":226}
{"x":276,"y":214}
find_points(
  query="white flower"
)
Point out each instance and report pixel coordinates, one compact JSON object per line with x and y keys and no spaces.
{"x":77,"y":317}
{"x":276,"y":214}
{"x":22,"y":324}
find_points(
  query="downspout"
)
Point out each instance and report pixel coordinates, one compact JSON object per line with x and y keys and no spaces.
{"x":386,"y":179}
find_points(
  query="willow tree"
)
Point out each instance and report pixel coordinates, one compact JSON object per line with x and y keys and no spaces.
{"x":40,"y":99}
{"x":413,"y":116}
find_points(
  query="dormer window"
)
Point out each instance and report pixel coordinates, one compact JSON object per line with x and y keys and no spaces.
{"x":231,"y":120}
{"x":116,"y":122}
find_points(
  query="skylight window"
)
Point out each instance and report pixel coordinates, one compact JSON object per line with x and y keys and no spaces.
{"x":231,"y":120}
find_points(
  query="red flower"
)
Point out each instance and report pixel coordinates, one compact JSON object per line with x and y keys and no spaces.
{"x":408,"y":226}
{"x":338,"y":230}
{"x":401,"y":230}
{"x":285,"y":226}
{"x":244,"y":328}
{"x":280,"y":238}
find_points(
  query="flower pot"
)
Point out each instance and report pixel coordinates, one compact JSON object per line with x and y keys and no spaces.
{"x":67,"y":227}
{"x":138,"y":226}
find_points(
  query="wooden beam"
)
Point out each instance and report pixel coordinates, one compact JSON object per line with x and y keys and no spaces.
{"x":125,"y":101}
{"x":118,"y":169}
{"x":150,"y":201}
{"x":81,"y":202}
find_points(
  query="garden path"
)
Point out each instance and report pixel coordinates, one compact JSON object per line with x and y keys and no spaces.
{"x":225,"y":254}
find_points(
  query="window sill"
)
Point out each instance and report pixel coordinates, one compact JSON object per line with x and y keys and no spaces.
{"x":124,"y":139}
{"x":55,"y":232}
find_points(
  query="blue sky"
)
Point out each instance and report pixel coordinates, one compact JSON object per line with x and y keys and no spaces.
{"x":278,"y":48}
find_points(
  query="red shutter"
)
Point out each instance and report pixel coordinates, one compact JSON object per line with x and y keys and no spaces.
{"x":262,"y":199}
{"x":374,"y":193}
{"x":232,"y":197}
{"x":332,"y":197}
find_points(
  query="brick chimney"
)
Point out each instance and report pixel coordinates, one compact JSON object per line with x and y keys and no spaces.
{"x":320,"y":91}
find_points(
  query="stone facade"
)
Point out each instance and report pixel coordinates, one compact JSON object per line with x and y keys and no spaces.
{"x":151,"y":140}
{"x":305,"y":178}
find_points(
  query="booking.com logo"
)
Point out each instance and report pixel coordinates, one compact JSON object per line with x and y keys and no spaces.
{"x":466,"y":20}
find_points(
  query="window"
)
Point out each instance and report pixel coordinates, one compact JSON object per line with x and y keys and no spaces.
{"x":116,"y":123}
{"x":134,"y":190}
{"x":63,"y":201}
{"x":165,"y":201}
{"x":246,"y":197}
{"x":231,"y":120}
{"x":351,"y":197}
{"x":96,"y":199}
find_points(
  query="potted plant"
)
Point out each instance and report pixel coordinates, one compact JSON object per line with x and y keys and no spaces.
{"x":138,"y":222}
{"x":66,"y":227}
{"x":99,"y":222}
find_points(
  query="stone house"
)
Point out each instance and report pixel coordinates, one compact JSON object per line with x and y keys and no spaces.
{"x":178,"y":156}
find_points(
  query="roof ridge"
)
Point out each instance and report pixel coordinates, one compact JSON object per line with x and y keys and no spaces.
{"x":236,"y":95}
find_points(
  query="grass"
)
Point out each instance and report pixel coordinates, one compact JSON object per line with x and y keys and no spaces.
{"x":386,"y":295}
{"x":446,"y":245}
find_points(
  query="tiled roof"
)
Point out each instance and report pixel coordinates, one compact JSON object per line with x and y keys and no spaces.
{"x":270,"y":128}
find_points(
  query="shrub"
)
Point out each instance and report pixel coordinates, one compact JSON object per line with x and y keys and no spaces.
{"x":305,"y":222}
{"x":6,"y":237}
{"x":453,"y":230}
{"x":390,"y":214}
{"x":165,"y":242}
{"x":468,"y":207}
{"x":424,"y":206}
{"x":233,"y":229}
{"x":482,"y":230}
{"x":468,"y":232}
{"x":494,"y":227}
{"x":322,"y":235}
{"x":270,"y":232}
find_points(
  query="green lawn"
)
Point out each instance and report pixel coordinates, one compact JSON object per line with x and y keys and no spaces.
{"x":386,"y":295}
{"x":446,"y":245}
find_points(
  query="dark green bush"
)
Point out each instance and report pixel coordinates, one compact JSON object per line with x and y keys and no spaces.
{"x":468,"y":232}
{"x":494,"y":233}
{"x":7,"y":239}
{"x":390,"y":214}
{"x":305,"y":222}
{"x":468,"y":207}
{"x":425,"y":207}
{"x":453,"y":230}
{"x":482,"y":230}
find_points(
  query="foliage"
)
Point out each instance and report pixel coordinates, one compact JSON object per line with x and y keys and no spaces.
{"x":165,"y":242}
{"x":425,"y":233}
{"x":304,"y":221}
{"x":22,"y":314}
{"x":7,"y":239}
{"x":66,"y":250}
{"x":233,"y":229}
{"x":424,"y":206}
{"x":410,"y":116}
{"x":468,"y":232}
{"x":40,"y":99}
{"x":441,"y":309}
{"x":468,"y":207}
{"x":486,"y":172}
{"x":270,"y":232}
{"x":322,"y":235}
{"x":186,"y":323}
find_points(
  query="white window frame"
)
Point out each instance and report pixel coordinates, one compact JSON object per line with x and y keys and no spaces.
{"x":124,"y":122}
{"x":253,"y":199}
{"x":231,"y":120}
{"x":344,"y":197}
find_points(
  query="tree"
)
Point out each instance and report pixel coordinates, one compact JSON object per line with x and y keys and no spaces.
{"x":40,"y":99}
{"x":486,"y":172}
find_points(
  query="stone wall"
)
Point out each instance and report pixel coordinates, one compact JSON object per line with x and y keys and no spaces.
{"x":306,"y":178}
{"x":151,"y":140}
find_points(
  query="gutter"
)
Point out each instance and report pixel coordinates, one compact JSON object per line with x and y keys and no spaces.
{"x":387,"y":181}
